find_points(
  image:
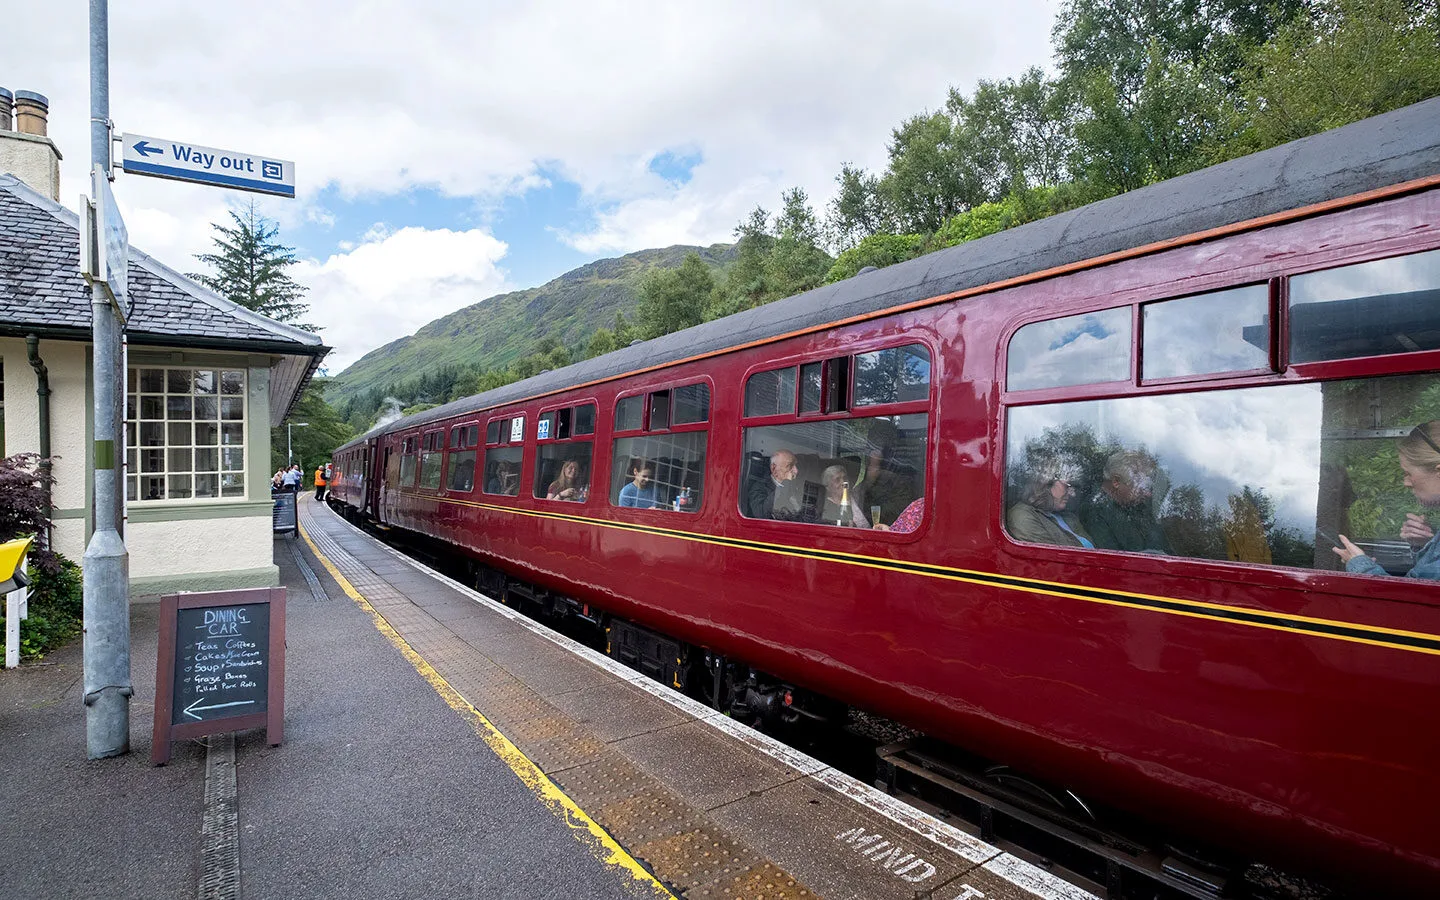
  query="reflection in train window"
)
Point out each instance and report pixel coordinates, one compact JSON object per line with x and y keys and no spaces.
{"x":630,"y":414}
{"x":1270,"y":474}
{"x":1223,"y":331}
{"x":893,"y":375}
{"x":846,"y":472}
{"x":1370,"y":309}
{"x":770,"y":393}
{"x":1092,"y":348}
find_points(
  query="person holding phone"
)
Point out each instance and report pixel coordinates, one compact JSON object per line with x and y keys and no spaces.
{"x":1420,"y":461}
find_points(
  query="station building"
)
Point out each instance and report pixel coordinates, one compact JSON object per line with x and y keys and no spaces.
{"x":205,"y":382}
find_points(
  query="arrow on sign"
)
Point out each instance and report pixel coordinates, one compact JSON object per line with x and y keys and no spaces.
{"x":144,"y":149}
{"x":195,"y":707}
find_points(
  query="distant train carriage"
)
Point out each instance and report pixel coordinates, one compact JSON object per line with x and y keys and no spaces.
{"x":1067,"y":496}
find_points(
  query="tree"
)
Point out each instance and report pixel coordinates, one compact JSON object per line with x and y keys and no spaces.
{"x":672,"y":299}
{"x":324,"y":430}
{"x":795,"y":263}
{"x":1344,"y":61}
{"x":601,"y":343}
{"x":250,"y":268}
{"x":931,"y":175}
{"x":858,"y":209}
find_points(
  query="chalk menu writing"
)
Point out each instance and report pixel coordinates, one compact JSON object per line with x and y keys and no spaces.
{"x":221,"y":662}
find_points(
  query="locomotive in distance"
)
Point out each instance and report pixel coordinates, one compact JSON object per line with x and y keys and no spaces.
{"x":1071,"y":496}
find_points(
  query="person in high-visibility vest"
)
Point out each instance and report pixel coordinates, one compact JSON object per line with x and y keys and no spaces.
{"x":320,"y":482}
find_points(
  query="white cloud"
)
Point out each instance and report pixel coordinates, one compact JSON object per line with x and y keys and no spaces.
{"x":377,"y":100}
{"x":392,"y":285}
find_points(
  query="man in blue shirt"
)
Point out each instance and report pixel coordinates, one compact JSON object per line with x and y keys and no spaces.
{"x":640,"y":492}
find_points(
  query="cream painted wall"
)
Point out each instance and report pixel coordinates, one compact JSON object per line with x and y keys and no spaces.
{"x":199,"y":545}
{"x":69,"y":536}
{"x":65,"y":362}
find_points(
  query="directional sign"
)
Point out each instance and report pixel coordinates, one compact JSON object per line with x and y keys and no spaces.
{"x":183,"y":161}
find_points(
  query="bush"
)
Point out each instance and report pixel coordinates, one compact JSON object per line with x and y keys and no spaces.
{"x":56,"y":608}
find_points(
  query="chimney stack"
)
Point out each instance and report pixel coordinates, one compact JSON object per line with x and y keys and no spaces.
{"x":32,"y":111}
{"x":26,"y":150}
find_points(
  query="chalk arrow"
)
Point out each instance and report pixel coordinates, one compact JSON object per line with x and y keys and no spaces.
{"x":195,"y":707}
{"x":144,"y":149}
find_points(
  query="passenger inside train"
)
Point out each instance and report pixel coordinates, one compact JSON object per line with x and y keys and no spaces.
{"x":1123,"y":515}
{"x":570,"y":484}
{"x":1042,"y":516}
{"x":640,"y":493}
{"x":1419,"y":454}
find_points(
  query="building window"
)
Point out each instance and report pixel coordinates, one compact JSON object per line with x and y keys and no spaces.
{"x":184,"y":434}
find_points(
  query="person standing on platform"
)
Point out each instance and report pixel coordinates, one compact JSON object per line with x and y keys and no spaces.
{"x":320,"y":483}
{"x":293,"y":478}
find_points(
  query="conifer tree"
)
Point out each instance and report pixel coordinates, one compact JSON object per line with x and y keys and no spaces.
{"x":250,"y":268}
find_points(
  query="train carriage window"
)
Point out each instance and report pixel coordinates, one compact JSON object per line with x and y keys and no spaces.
{"x":811,"y":385}
{"x":659,"y":410}
{"x":504,"y":456}
{"x":892,"y":375}
{"x":463,"y":442}
{"x":854,"y":472}
{"x":1371,"y":309}
{"x":562,"y":460}
{"x":630,"y":414}
{"x":1223,"y":331}
{"x":770,"y":393}
{"x":407,"y":462}
{"x":431,"y":460}
{"x":691,"y":404}
{"x":1092,"y":348}
{"x":585,"y":419}
{"x":665,"y":469}
{"x":1271,"y":474}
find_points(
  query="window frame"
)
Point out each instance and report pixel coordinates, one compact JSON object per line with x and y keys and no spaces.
{"x":570,"y":438}
{"x":926,"y":407}
{"x":645,"y":430}
{"x":247,"y":456}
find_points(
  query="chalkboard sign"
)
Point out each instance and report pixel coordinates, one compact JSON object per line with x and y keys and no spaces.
{"x":284,"y":517}
{"x":221,"y":666}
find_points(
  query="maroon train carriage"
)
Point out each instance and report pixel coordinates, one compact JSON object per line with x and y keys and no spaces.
{"x":1206,"y":380}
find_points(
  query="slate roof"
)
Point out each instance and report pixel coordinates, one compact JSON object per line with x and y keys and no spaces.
{"x":41,"y":290}
{"x":1384,"y":150}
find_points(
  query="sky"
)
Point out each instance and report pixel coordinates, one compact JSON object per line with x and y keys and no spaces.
{"x":447,"y":152}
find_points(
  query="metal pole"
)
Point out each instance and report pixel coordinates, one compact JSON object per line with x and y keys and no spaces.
{"x":289,"y":453}
{"x":106,"y":563}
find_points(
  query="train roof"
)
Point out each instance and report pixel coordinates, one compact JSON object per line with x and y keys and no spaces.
{"x":1378,"y":152}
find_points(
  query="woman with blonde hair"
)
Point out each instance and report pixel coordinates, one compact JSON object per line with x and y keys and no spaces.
{"x":1420,"y":461}
{"x":567,"y":486}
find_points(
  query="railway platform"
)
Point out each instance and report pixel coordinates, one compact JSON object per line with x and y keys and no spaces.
{"x":439,"y":744}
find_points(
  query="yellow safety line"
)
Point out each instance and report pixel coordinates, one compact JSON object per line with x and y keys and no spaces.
{"x":595,"y":839}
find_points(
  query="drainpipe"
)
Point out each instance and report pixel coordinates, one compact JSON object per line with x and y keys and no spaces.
{"x":42,"y":391}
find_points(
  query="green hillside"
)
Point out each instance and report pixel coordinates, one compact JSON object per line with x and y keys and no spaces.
{"x":497,"y":331}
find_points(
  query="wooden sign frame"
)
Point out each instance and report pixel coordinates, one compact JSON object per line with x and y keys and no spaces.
{"x":273,"y":718}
